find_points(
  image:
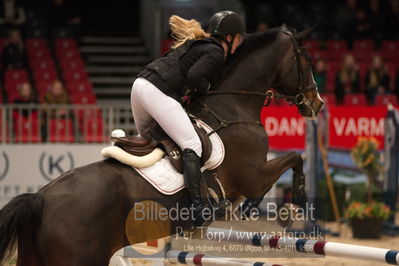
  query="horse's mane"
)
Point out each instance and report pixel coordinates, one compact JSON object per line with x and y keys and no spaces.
{"x":251,"y":43}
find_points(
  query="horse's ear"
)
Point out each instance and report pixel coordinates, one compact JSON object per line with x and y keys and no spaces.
{"x":284,"y":27}
{"x":302,"y":35}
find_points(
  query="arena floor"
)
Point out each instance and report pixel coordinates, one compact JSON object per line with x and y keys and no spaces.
{"x":288,"y":258}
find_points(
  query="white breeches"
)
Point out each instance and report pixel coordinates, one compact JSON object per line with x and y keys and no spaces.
{"x":149,"y":104}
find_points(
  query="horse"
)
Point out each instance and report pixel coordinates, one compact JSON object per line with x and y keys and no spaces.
{"x":84,"y":216}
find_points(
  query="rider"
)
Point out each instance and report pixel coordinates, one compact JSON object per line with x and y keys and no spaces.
{"x":190,"y":64}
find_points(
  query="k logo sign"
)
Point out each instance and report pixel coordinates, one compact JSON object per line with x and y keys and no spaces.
{"x":53,"y":165}
{"x":4,"y":165}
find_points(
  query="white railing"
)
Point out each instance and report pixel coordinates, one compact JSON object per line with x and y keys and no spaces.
{"x":31,"y":123}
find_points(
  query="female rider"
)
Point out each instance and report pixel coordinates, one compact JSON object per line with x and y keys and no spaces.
{"x":190,"y":64}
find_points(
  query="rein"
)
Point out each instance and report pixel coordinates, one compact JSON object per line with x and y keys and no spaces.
{"x":224,"y":123}
{"x":299,"y":99}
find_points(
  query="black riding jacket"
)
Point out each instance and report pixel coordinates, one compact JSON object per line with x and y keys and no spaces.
{"x":190,"y":66}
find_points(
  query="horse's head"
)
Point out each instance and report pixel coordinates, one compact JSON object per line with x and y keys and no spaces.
{"x":295,"y":81}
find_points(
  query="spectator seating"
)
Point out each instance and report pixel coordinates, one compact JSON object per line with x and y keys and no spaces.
{"x":42,"y":64}
{"x":36,"y":43}
{"x":329,"y":99}
{"x":390,"y":50}
{"x":355,"y":99}
{"x":79,"y":87}
{"x":61,"y":130}
{"x":311,"y":45}
{"x":72,"y":64}
{"x":336,"y":49}
{"x":365,"y":45}
{"x":87,"y":98}
{"x":26,"y":129}
{"x":71,"y":68}
{"x":384,"y":99}
{"x":93,"y":130}
{"x":12,"y":79}
{"x":71,"y":76}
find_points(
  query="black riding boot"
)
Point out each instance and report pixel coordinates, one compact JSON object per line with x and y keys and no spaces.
{"x":192,"y":178}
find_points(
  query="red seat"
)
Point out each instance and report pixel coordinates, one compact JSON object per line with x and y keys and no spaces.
{"x":87,"y":98}
{"x":337,"y":45}
{"x":75,"y":75}
{"x":38,"y":53}
{"x":12,"y":89}
{"x":62,"y":50}
{"x":86,"y":114}
{"x":365,"y":45}
{"x":21,"y":75}
{"x":44,"y":64}
{"x":362,"y":56}
{"x":355,"y":100}
{"x":336,"y":56}
{"x":67,"y":54}
{"x":40,"y":75}
{"x":390,"y":50}
{"x":390,"y":46}
{"x":329,"y":99}
{"x":93,"y":130}
{"x":311,"y":45}
{"x":12,"y":95}
{"x":319,"y":54}
{"x":65,"y":43}
{"x":384,"y":99}
{"x":79,"y":87}
{"x":72,"y":64}
{"x":36,"y":43}
{"x":26,"y":129}
{"x":61,"y":130}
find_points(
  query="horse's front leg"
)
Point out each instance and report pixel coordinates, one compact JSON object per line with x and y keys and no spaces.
{"x":272,"y":170}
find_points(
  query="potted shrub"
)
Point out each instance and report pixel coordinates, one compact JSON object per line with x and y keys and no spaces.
{"x":366,"y":219}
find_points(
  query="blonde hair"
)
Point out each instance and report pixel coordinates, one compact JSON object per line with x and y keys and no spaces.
{"x":183,"y":30}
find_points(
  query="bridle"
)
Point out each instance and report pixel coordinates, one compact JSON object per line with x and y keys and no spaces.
{"x":299,"y":99}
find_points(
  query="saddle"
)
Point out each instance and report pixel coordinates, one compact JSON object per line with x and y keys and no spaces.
{"x":156,"y":137}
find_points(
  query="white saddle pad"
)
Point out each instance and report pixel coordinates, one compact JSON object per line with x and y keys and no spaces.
{"x":162,"y":175}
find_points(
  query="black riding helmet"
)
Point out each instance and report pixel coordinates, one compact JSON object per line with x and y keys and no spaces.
{"x":226,"y":22}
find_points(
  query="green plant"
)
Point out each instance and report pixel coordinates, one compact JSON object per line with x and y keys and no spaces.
{"x":365,"y":155}
{"x":367,"y":210}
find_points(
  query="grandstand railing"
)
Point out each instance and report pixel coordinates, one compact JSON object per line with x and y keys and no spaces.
{"x":38,"y":123}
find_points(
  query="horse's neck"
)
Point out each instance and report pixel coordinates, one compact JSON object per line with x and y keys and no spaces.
{"x":257,"y":73}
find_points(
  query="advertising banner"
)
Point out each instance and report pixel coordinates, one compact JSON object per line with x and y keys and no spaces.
{"x":285,"y":127}
{"x":27,"y":168}
{"x":346,"y":124}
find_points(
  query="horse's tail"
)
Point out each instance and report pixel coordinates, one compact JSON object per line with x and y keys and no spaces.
{"x":19,"y":219}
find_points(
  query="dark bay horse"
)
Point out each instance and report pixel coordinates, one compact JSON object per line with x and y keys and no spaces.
{"x":85,"y":215}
